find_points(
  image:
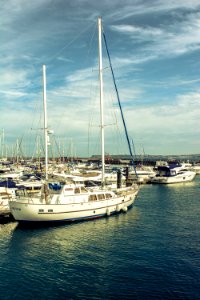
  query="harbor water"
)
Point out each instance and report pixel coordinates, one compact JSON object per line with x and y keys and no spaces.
{"x":150,"y":252}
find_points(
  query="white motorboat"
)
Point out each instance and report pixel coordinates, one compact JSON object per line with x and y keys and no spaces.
{"x":173,"y":173}
{"x":72,"y":202}
{"x":142,"y":174}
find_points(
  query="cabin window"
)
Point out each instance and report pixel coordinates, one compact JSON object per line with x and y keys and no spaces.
{"x":50,"y":210}
{"x":83,"y":190}
{"x":92,"y":197}
{"x":101,"y":196}
{"x":173,"y":173}
{"x":77,"y":190}
{"x":36,"y":188}
{"x":108,"y":196}
{"x":41,"y":210}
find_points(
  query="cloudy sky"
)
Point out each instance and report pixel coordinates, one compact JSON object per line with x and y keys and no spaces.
{"x":155,"y":52}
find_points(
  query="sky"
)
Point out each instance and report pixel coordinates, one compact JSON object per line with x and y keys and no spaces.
{"x":154,"y":47}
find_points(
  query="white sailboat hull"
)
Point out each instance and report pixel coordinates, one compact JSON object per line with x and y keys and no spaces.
{"x":32,"y":212}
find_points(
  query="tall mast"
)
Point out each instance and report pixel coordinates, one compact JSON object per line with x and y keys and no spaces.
{"x":45,"y":122}
{"x":101,"y":98}
{"x":2,"y":144}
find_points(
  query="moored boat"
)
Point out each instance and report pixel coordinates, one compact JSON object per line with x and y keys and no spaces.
{"x":6,"y":194}
{"x":196,"y":168}
{"x":72,"y":203}
{"x":173,"y":173}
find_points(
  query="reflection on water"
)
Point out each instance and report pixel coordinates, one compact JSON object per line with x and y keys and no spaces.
{"x":68,"y":237}
{"x":57,"y":261}
{"x":6,"y":231}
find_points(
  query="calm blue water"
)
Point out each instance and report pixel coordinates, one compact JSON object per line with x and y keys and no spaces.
{"x":151,"y":252}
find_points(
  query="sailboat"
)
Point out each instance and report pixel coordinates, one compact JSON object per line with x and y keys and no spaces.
{"x":73,"y":202}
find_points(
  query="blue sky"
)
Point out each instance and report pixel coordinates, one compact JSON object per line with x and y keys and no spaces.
{"x":155,"y":52}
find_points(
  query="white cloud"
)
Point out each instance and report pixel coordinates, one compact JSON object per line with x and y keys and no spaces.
{"x":167,"y":126}
{"x":13,"y":93}
{"x":130,"y":9}
{"x":13,"y":78}
{"x":147,"y":33}
{"x":173,"y":39}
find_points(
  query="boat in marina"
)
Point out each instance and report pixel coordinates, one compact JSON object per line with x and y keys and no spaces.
{"x":173,"y":173}
{"x":6,"y":194}
{"x":196,"y":168}
{"x":143,"y":174}
{"x":110,"y":178}
{"x":73,"y":201}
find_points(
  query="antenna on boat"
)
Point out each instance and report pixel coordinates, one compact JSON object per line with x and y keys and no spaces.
{"x":101,"y":98}
{"x":45,"y":122}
